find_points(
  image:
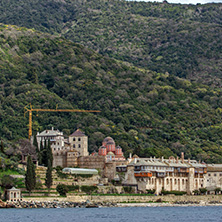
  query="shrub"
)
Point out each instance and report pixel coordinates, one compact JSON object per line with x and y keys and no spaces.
{"x":62,"y":189}
{"x":203,"y":190}
{"x":89,"y":189}
{"x":127,"y":189}
{"x":73,"y":187}
{"x":151,"y":191}
{"x":175,"y":192}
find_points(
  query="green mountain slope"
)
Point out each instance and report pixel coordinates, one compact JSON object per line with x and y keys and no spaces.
{"x":184,"y":40}
{"x":147,"y":113}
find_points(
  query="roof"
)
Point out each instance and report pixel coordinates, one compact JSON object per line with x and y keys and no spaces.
{"x":13,"y":189}
{"x":108,"y":139}
{"x":79,"y":171}
{"x":50,"y":132}
{"x":214,"y":168}
{"x":167,"y":162}
{"x":110,"y":153}
{"x":78,"y":133}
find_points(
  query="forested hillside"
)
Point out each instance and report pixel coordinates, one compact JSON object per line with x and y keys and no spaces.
{"x":184,"y":40}
{"x":147,"y":113}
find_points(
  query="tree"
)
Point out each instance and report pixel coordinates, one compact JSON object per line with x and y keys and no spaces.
{"x":40,"y":153}
{"x":49,"y":153}
{"x":44,"y":154}
{"x":48,"y":180}
{"x":2,"y":147}
{"x":35,"y":144}
{"x":62,"y":189}
{"x":30,"y":177}
{"x":217,"y":190}
{"x":26,"y":149}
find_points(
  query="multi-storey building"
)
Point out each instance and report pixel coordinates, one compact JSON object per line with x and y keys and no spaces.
{"x":213,"y":177}
{"x":65,"y":152}
{"x":165,"y":174}
{"x":79,"y":141}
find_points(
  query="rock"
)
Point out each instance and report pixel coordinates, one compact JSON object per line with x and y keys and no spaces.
{"x":2,"y":204}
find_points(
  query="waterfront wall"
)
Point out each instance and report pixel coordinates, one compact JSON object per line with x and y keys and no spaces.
{"x":119,"y":199}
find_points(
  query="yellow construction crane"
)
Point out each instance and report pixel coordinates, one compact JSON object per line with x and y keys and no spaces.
{"x":29,"y":108}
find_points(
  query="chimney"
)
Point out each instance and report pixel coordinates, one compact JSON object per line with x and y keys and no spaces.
{"x":52,"y":128}
{"x":162,"y":159}
{"x":188,"y":160}
{"x":130,"y":155}
{"x":177,"y":160}
{"x":182,"y":157}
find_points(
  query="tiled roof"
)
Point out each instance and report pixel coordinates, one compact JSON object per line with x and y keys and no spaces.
{"x":78,"y":133}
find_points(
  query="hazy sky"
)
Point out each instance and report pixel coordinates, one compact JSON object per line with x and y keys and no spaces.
{"x":185,"y":1}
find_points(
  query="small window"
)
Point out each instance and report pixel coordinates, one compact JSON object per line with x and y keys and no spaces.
{"x":74,"y":146}
{"x":209,"y":174}
{"x":79,"y":146}
{"x":215,"y":174}
{"x":74,"y":139}
{"x":79,"y":139}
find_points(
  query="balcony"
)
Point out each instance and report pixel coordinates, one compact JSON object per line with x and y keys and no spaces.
{"x":143,"y":174}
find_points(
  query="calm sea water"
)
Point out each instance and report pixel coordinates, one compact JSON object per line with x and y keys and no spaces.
{"x":125,"y":214}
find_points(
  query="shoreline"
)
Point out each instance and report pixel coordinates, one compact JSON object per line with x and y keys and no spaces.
{"x":166,"y":205}
{"x":88,"y":204}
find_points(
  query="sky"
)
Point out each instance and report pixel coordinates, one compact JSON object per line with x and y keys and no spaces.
{"x":185,"y":1}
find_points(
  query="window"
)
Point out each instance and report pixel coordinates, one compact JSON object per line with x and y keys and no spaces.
{"x":209,"y":174}
{"x":79,"y":146}
{"x":74,"y":139}
{"x":215,"y":174}
{"x":79,"y":139}
{"x":74,"y":146}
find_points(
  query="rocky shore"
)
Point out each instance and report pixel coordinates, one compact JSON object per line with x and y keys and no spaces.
{"x":54,"y":204}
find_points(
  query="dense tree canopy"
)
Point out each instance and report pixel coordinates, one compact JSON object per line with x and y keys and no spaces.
{"x":146,"y":112}
{"x":184,"y":40}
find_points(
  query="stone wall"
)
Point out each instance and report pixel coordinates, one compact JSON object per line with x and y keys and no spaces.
{"x":91,"y":162}
{"x":119,"y":199}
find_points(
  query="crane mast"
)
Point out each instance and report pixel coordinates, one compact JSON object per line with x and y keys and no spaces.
{"x":30,"y":109}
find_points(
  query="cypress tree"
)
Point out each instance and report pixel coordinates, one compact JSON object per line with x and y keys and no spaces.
{"x":48,"y":180}
{"x":2,"y":147}
{"x":49,"y":153}
{"x":40,"y":153}
{"x":35,"y":143}
{"x":41,"y":146}
{"x":44,"y":154}
{"x":30,"y":178}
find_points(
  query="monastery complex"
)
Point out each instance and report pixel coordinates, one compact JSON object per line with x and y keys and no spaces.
{"x":172,"y":174}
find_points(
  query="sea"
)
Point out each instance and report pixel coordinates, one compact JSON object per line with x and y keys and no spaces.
{"x":114,"y":214}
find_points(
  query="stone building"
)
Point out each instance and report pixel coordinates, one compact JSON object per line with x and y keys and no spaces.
{"x":167,"y":174}
{"x":213,"y":177}
{"x":79,"y":141}
{"x":51,"y":135}
{"x":65,"y":151}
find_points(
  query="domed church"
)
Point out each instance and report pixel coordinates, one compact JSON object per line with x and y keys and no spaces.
{"x":110,"y":150}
